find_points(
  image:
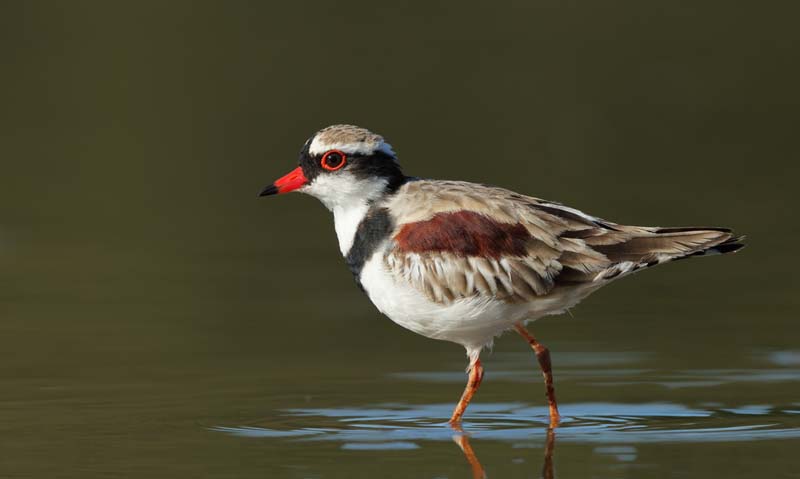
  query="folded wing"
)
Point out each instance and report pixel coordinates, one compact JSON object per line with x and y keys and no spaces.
{"x":472,"y":240}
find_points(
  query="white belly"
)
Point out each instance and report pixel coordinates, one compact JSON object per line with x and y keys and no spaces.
{"x":472,"y":322}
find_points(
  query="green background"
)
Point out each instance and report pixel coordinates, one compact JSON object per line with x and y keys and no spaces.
{"x":147,"y":296}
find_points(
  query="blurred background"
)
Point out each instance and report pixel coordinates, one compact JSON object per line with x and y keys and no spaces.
{"x":148,"y":298}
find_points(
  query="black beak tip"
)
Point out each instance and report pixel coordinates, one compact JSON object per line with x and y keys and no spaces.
{"x":269,"y":190}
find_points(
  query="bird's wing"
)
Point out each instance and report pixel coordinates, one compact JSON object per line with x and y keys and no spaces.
{"x":454,"y":240}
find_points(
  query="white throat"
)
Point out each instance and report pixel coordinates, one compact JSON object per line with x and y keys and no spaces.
{"x":349,"y":199}
{"x":346,"y":219}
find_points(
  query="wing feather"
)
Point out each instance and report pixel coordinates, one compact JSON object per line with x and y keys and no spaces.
{"x":456,"y":240}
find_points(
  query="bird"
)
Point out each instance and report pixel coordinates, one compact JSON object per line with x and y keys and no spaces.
{"x":465,"y":262}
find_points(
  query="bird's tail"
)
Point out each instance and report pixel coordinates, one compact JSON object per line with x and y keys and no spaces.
{"x":720,"y":240}
{"x":652,"y":246}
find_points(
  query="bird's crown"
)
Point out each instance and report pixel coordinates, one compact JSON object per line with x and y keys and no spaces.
{"x":348,"y":139}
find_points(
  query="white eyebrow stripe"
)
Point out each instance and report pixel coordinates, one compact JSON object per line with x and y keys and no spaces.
{"x":318,"y":147}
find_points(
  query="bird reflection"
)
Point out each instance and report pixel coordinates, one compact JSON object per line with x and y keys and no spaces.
{"x":549,"y":446}
{"x":478,"y":472}
{"x":463,"y":442}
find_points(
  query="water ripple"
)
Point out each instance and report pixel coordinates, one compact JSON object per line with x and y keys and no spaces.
{"x":396,"y":426}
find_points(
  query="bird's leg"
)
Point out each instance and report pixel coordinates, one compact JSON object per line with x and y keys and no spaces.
{"x":463,"y":442}
{"x":475,"y":377}
{"x":543,"y":355}
{"x":549,"y":446}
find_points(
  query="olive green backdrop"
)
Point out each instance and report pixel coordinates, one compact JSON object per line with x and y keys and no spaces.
{"x":147,"y":296}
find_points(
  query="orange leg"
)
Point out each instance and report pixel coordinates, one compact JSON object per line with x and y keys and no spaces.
{"x":477,"y":470}
{"x":543,"y":355}
{"x":549,"y":445}
{"x":475,"y":377}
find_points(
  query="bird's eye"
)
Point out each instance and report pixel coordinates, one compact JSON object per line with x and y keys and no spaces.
{"x":333,"y":160}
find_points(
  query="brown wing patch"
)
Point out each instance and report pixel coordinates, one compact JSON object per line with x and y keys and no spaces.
{"x":464,"y":233}
{"x":462,"y":254}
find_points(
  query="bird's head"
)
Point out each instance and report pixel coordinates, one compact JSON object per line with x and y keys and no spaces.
{"x":342,"y":165}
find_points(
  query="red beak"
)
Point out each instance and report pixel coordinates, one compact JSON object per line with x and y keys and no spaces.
{"x":286,"y":183}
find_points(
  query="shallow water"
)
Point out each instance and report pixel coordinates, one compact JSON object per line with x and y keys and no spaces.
{"x":602,"y":439}
{"x":622,"y":415}
{"x":158,"y":320}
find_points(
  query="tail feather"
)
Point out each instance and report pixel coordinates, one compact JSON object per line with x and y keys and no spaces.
{"x":730,"y":245}
{"x":651,"y":246}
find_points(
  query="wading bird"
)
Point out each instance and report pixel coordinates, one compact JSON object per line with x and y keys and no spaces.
{"x":465,"y":262}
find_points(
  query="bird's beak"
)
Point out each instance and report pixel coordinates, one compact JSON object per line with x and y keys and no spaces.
{"x":286,"y":183}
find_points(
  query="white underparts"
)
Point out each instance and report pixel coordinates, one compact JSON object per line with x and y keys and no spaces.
{"x":471,"y":322}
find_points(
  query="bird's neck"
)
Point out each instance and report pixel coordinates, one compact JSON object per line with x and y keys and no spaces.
{"x":346,"y":218}
{"x":349,"y":210}
{"x":349,"y":215}
{"x":350,"y":202}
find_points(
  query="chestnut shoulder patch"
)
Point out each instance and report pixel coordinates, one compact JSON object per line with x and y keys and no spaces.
{"x":464,"y":233}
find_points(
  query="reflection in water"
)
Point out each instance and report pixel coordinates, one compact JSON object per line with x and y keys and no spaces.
{"x":600,"y":423}
{"x":463,"y":442}
{"x":549,"y":446}
{"x":614,"y":427}
{"x":478,"y":472}
{"x":616,"y":430}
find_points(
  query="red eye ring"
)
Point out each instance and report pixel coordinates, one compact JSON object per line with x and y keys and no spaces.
{"x":333,"y":153}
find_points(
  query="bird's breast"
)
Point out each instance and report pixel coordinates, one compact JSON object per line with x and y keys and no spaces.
{"x":371,"y":235}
